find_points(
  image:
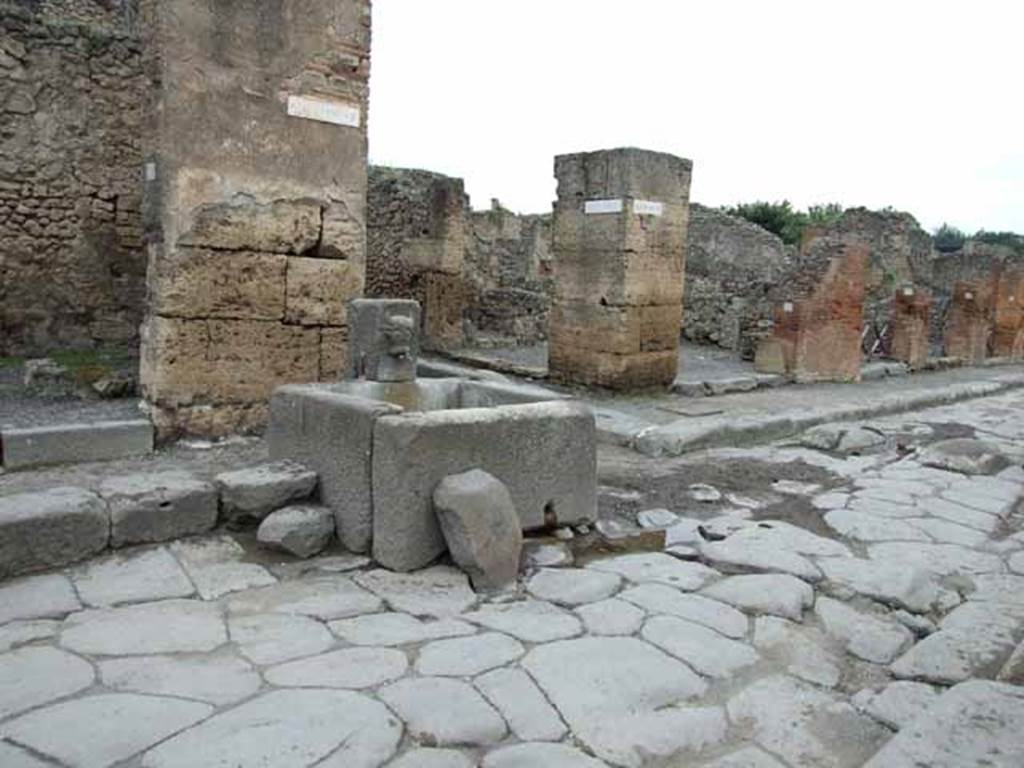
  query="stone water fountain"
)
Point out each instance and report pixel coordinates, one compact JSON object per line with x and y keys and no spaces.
{"x":382,"y":441}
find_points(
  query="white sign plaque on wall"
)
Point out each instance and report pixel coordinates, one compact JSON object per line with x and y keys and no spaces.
{"x":324,"y":110}
{"x":787,"y":307}
{"x":968,"y":295}
{"x":908,"y":291}
{"x":648,"y":207}
{"x":603,"y":206}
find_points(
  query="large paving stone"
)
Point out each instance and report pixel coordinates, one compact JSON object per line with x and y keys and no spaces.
{"x":974,"y":640}
{"x":132,"y":578}
{"x":302,"y":530}
{"x":530,"y":716}
{"x":16,"y":757}
{"x":773,"y":546}
{"x":48,"y":529}
{"x":965,"y":455}
{"x":748,"y":757}
{"x":573,"y":586}
{"x":270,"y":638}
{"x":254,"y":492}
{"x":889,"y":582}
{"x":33,"y":676}
{"x":945,"y":532}
{"x":659,"y":599}
{"x":481,"y":527}
{"x":37,"y":597}
{"x":105,"y":729}
{"x":158,"y":506}
{"x":617,"y":695}
{"x":534,"y":755}
{"x":805,"y":726}
{"x":16,"y":633}
{"x":863,"y":526}
{"x":169,"y":626}
{"x":611,"y":617}
{"x":438,"y":591}
{"x":803,"y":651}
{"x":397,"y":629}
{"x":868,"y":637}
{"x":657,"y":567}
{"x":325,"y":597}
{"x":218,"y":678}
{"x":287,"y":729}
{"x":213,"y":564}
{"x":533,"y":621}
{"x":444,"y":712}
{"x":348,"y":668}
{"x":897,"y":704}
{"x":433,"y":758}
{"x":938,"y":559}
{"x":976,"y":723}
{"x":703,"y":649}
{"x":960,"y":514}
{"x":468,"y":656}
{"x":775,"y":594}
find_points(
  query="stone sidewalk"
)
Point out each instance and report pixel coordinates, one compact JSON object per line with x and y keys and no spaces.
{"x":890,"y":636}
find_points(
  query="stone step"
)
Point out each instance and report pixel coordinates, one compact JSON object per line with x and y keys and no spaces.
{"x":25,"y":447}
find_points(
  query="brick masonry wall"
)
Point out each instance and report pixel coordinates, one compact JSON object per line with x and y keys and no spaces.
{"x":910,"y":326}
{"x":1008,"y":315}
{"x":72,"y":92}
{"x":969,"y":323}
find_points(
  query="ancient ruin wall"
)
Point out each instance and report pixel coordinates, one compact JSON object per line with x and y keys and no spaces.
{"x":732,"y":266}
{"x":909,"y":339}
{"x":72,"y":91}
{"x":254,"y":201}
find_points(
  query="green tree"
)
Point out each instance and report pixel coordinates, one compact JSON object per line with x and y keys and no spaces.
{"x":784,"y":220}
{"x":1011,"y":239}
{"x":949,"y":238}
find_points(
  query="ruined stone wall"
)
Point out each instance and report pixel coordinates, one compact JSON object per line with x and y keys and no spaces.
{"x":482,"y":278}
{"x":732,"y":266}
{"x":509,"y":264}
{"x":254,"y":201}
{"x":909,"y":336}
{"x":72,"y":92}
{"x":900,"y":253}
{"x":417,"y":231}
{"x":1008,"y":314}
{"x":968,"y":329}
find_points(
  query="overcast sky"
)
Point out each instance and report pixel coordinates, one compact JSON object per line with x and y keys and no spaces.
{"x":914,"y":104}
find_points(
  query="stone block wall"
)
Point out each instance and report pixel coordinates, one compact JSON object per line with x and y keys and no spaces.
{"x":817,"y":331}
{"x":418,"y":226}
{"x":72,"y":94}
{"x":1008,"y":315}
{"x":910,"y":326}
{"x":732,"y":267}
{"x":619,"y":245}
{"x":255,"y":190}
{"x":969,"y":322}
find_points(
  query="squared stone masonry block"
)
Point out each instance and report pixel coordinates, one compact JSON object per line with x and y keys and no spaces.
{"x":318,"y":290}
{"x":620,"y":172}
{"x":343,"y":235}
{"x":282,"y":226}
{"x":212,"y":362}
{"x":618,"y":278}
{"x":200,"y":283}
{"x":333,"y":353}
{"x":616,"y":330}
{"x":642,"y":370}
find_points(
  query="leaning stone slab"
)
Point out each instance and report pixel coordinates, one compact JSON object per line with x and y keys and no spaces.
{"x":51,"y":528}
{"x":104,"y":729}
{"x":288,"y":729}
{"x":301,"y":529}
{"x":481,"y":527}
{"x":976,"y":723}
{"x":158,"y":507}
{"x":255,"y":492}
{"x":74,"y":443}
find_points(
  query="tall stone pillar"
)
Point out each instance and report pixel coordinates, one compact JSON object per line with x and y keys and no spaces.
{"x":1008,"y":315}
{"x":910,"y":322}
{"x":619,"y":247}
{"x":969,"y":324}
{"x":255,"y":196}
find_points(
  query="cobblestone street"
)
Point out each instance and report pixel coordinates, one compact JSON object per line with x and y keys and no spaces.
{"x":882,"y":637}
